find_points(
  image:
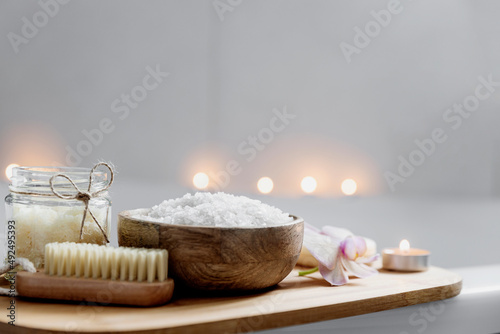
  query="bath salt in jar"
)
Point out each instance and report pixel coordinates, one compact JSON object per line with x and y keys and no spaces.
{"x":44,"y":206}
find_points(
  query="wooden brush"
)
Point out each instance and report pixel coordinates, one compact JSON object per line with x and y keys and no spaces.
{"x":106,"y":275}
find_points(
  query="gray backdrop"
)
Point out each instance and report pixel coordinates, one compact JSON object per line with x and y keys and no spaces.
{"x":67,"y":68}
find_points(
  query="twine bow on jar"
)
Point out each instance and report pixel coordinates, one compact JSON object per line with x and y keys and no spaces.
{"x":85,"y":196}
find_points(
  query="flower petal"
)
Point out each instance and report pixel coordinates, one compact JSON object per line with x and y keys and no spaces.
{"x":358,"y":269}
{"x":336,"y":232}
{"x":322,"y":247}
{"x":348,"y":248}
{"x":360,"y":244}
{"x":368,"y":259}
{"x":336,"y":276}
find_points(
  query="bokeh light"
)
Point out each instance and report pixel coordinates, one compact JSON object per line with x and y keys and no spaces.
{"x":201,"y":180}
{"x":349,"y":187}
{"x":265,"y":185}
{"x":8,"y":170}
{"x":308,"y":184}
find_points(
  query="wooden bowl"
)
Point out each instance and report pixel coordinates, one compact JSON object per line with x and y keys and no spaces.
{"x":218,"y":258}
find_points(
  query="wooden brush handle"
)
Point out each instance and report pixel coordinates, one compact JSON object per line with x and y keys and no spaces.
{"x":40,"y":285}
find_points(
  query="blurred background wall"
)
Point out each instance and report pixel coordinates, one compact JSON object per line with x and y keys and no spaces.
{"x":165,"y":89}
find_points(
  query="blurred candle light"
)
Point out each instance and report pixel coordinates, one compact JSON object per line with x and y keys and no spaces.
{"x":349,"y":187}
{"x":265,"y":185}
{"x":8,"y":170}
{"x":200,"y":180}
{"x":308,"y":184}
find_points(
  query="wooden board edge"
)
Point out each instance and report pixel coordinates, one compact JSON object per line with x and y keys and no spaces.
{"x":332,"y":312}
{"x":289,"y":318}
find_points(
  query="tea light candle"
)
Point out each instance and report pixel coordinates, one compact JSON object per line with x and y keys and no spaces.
{"x":405,"y":258}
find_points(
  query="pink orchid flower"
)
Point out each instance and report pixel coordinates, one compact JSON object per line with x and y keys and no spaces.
{"x":339,"y":253}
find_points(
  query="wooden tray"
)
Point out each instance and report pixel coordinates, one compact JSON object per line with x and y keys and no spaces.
{"x":296,"y":300}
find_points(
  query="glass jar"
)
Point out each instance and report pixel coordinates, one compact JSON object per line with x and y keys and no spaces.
{"x":40,"y":217}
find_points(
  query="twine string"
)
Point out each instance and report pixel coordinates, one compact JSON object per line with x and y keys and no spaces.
{"x":8,"y":268}
{"x":85,"y":196}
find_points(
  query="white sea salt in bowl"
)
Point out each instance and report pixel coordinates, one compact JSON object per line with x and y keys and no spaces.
{"x":218,"y":241}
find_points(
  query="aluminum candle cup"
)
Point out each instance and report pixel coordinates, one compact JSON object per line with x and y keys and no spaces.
{"x":405,"y":258}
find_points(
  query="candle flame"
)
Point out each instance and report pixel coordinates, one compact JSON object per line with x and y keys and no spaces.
{"x":404,"y":245}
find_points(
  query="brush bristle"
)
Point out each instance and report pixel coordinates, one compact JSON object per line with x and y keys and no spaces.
{"x":96,"y":261}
